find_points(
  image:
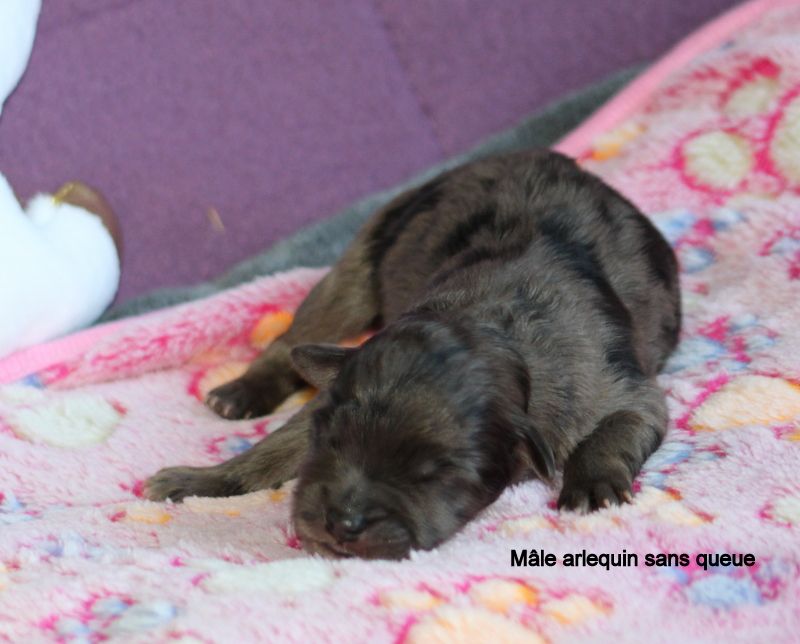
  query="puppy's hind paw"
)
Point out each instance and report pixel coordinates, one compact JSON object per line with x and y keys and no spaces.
{"x":177,"y":483}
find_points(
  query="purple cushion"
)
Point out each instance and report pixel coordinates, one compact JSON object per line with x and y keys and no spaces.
{"x":277,"y":113}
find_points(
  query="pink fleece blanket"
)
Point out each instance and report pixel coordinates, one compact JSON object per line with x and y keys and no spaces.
{"x":708,"y":143}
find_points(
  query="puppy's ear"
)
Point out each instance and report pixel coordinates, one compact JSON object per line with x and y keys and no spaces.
{"x":319,"y":364}
{"x":540,"y":452}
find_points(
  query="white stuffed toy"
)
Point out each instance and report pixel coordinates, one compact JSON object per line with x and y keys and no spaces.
{"x":59,"y":261}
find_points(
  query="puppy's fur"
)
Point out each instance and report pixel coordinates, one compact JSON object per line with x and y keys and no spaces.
{"x":526,"y":309}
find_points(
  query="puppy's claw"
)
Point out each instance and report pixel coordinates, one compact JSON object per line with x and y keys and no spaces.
{"x":583,"y":495}
{"x":238,"y":399}
{"x":177,"y":483}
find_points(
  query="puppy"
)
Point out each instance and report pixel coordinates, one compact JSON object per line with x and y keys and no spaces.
{"x":526,"y":308}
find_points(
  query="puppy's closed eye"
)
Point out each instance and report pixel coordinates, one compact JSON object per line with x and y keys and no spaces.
{"x":433,"y":468}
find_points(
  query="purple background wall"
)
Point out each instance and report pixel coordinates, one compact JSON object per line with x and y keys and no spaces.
{"x":277,"y":113}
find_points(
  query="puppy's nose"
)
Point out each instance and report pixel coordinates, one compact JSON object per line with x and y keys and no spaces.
{"x":345,"y":526}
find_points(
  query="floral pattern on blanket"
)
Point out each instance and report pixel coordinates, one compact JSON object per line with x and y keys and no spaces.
{"x":714,"y":157}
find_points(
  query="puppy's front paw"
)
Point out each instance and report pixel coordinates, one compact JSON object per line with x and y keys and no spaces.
{"x":177,"y":483}
{"x":586,"y":491}
{"x":239,"y":399}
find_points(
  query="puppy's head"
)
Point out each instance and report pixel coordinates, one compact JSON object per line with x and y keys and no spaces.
{"x":408,"y":445}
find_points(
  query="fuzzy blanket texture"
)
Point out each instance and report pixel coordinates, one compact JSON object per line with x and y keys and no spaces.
{"x":713,"y":155}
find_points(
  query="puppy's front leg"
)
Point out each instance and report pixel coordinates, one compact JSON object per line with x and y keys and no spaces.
{"x":268,"y":464}
{"x":344,"y":304}
{"x":600,"y":470}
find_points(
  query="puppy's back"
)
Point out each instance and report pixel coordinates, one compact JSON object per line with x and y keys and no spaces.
{"x":491,"y":214}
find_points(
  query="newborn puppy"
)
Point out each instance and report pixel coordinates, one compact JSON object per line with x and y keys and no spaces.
{"x":526,"y":309}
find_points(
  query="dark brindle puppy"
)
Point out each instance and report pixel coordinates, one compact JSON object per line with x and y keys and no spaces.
{"x":526,"y":309}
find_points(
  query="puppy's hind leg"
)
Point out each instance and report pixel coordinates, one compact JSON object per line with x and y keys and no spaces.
{"x":600,"y":470}
{"x":344,"y":304}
